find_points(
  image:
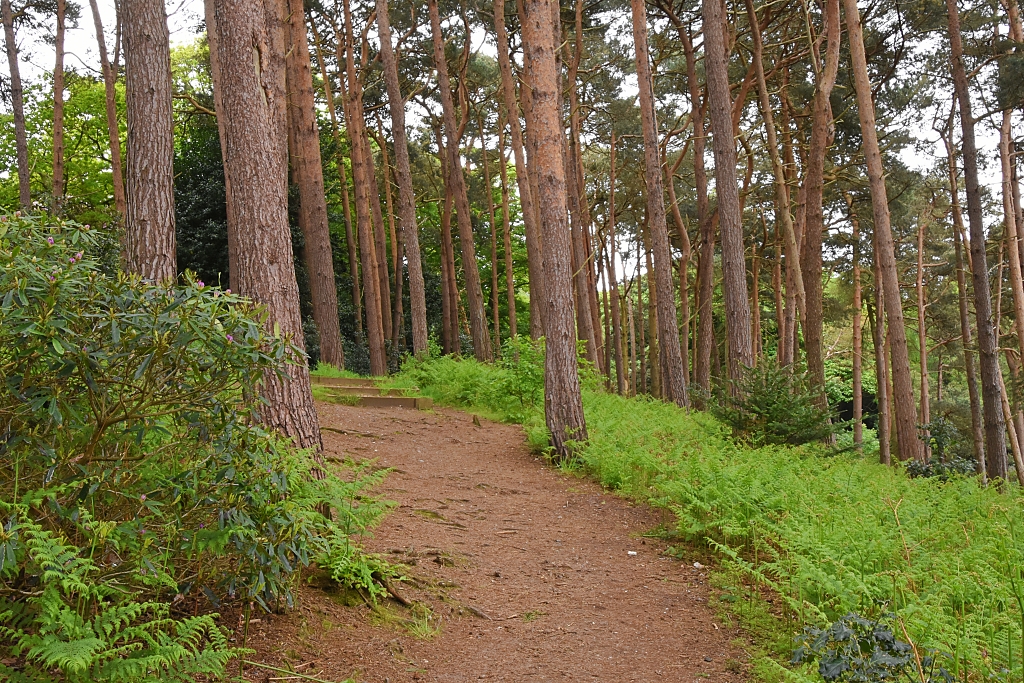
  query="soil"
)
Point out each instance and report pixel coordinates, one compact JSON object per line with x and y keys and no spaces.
{"x":515,"y":572}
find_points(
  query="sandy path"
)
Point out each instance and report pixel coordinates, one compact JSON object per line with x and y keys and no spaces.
{"x":531,"y":575}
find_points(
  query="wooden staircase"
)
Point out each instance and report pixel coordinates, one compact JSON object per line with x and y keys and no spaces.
{"x":365,"y":392}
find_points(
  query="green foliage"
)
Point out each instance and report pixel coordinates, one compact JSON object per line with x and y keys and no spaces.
{"x":772,"y":405}
{"x":829,"y":535}
{"x":861,"y":650}
{"x":138,"y":474}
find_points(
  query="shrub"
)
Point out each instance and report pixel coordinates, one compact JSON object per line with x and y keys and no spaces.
{"x":138,"y":475}
{"x":772,"y":405}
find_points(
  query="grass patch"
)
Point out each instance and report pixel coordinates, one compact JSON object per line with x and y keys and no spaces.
{"x":327,"y":370}
{"x":823,"y":534}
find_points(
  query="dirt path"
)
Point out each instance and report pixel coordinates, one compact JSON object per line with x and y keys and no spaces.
{"x":530,"y":575}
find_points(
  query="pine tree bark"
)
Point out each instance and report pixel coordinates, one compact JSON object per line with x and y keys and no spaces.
{"x":529,"y":209}
{"x":510,"y":284}
{"x":620,"y":378}
{"x":18,"y":102}
{"x":397,"y":246}
{"x":149,"y":220}
{"x":922,"y":337}
{"x":449,"y":288}
{"x":782,"y":209}
{"x":668,"y":327}
{"x":495,"y":306}
{"x":403,"y":173}
{"x":379,"y":232}
{"x":858,"y":332}
{"x":339,"y":161}
{"x":113,"y":127}
{"x":474,"y":292}
{"x":362,"y":169}
{"x":977,"y":426}
{"x":249,"y":44}
{"x":563,"y":407}
{"x":307,"y":171}
{"x":903,"y":388}
{"x":822,"y":132}
{"x":995,"y":427}
{"x":58,"y":108}
{"x":734,"y":264}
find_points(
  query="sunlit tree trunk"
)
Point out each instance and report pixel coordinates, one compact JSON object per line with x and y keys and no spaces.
{"x":149,"y":222}
{"x":734,"y":270}
{"x":474,"y":292}
{"x":113,"y":127}
{"x":307,"y":172}
{"x":563,"y":407}
{"x":403,"y":173}
{"x":903,"y":396}
{"x":995,"y":428}
{"x":252,"y":121}
{"x":18,"y":105}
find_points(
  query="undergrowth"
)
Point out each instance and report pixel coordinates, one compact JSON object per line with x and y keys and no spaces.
{"x":827,"y":534}
{"x":139,"y":490}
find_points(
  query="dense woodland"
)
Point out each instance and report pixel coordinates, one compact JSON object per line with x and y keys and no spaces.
{"x":721,"y":205}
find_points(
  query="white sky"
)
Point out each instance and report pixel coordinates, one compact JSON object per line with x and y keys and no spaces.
{"x":184,"y":16}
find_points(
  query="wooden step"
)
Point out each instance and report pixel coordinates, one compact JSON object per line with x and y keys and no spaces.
{"x":413,"y":402}
{"x":364,"y":391}
{"x":343,"y":381}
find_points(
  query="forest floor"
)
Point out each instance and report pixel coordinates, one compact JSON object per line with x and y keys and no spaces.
{"x":515,"y":572}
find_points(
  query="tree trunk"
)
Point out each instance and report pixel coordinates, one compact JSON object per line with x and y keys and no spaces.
{"x":877,"y":322}
{"x":563,"y":407}
{"x":58,"y":103}
{"x":380,"y":243}
{"x":822,"y":132}
{"x":977,"y":427}
{"x":398,"y":316}
{"x":584,"y":321}
{"x":922,"y":338}
{"x":362,"y":169}
{"x":113,"y":127}
{"x":339,"y":161}
{"x":406,"y":193}
{"x":510,"y":285}
{"x":149,"y":224}
{"x":307,"y":171}
{"x":495,"y":306}
{"x":858,"y":332}
{"x":620,"y":378}
{"x":449,"y":288}
{"x":474,"y":292}
{"x":668,"y":326}
{"x":995,"y":436}
{"x":783,"y":216}
{"x":632,"y":346}
{"x":903,"y":396}
{"x":218,"y":104}
{"x":252,"y":122}
{"x":18,"y":101}
{"x":531,"y":221}
{"x":734,"y":270}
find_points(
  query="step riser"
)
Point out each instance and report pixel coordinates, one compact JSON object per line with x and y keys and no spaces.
{"x":346,"y":382}
{"x":364,"y":391}
{"x":408,"y":402}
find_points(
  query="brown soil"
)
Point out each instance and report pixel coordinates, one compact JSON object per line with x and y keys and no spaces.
{"x":526,"y":574}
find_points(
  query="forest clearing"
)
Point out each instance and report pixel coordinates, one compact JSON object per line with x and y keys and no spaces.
{"x":393,"y":341}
